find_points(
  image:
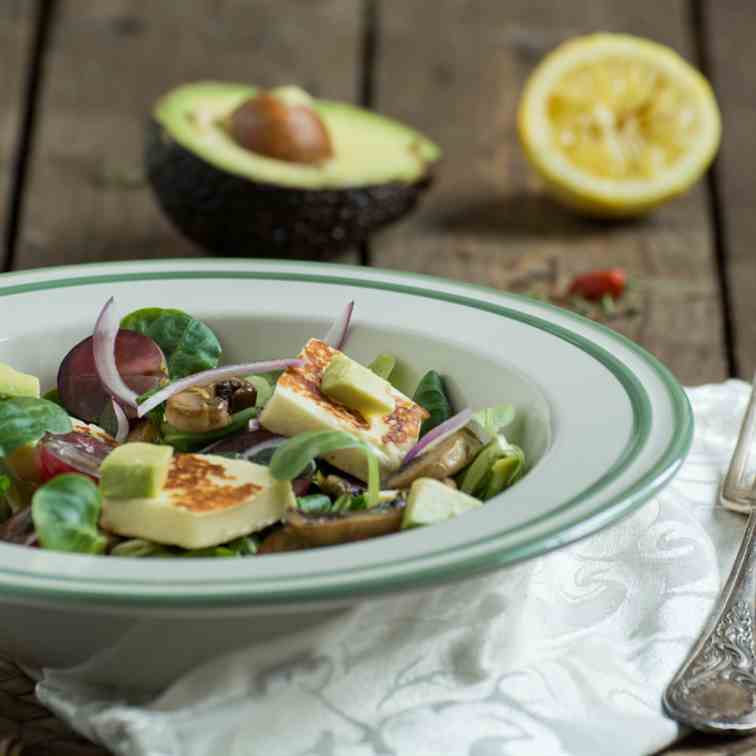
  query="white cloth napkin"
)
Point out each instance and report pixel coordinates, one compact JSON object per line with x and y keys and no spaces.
{"x":566,"y":654}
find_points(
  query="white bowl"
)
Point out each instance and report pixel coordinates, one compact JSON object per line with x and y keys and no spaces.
{"x":605,"y":426}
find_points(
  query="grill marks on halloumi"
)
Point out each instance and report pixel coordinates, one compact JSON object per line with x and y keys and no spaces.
{"x":207,"y":500}
{"x":306,"y":380}
{"x":195,"y":484}
{"x":298,"y":405}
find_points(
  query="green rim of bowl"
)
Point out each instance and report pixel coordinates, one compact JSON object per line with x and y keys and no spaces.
{"x":191,"y":594}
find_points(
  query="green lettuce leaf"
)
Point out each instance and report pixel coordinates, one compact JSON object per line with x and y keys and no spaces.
{"x":66,"y":511}
{"x":294,"y":456}
{"x":240,"y":547}
{"x":139,"y":548}
{"x":188,"y":344}
{"x":53,"y":395}
{"x":25,"y":420}
{"x":263,"y":387}
{"x":497,"y":466}
{"x":494,"y":419}
{"x":431,"y":396}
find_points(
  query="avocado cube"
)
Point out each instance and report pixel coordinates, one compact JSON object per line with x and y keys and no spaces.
{"x":14,"y":383}
{"x":135,"y":471}
{"x":431,"y":501}
{"x":356,"y":386}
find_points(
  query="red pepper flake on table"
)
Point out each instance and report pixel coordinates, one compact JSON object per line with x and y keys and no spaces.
{"x":603,"y":295}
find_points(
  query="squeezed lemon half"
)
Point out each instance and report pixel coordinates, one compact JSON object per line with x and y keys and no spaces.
{"x":617,"y":125}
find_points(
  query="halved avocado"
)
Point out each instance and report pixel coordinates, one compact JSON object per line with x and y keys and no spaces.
{"x":234,"y":201}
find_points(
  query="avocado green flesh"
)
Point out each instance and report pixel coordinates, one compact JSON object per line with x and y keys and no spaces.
{"x":431,"y":501}
{"x":13,"y":383}
{"x":368,"y":148}
{"x":356,"y":387}
{"x":135,"y":471}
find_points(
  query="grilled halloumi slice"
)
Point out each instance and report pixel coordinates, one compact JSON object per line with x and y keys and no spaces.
{"x":207,"y":500}
{"x":298,"y":405}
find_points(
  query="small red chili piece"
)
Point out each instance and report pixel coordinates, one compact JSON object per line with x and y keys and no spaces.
{"x":598,"y":284}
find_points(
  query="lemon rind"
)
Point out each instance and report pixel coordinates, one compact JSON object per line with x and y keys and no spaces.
{"x":614,"y":197}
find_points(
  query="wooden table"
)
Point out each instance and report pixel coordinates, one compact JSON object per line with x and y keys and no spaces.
{"x":79,"y":76}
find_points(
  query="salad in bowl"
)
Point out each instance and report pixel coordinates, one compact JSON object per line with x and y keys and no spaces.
{"x":149,"y":447}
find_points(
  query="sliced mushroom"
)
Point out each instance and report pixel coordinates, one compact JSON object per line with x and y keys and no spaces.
{"x":439,"y":462}
{"x":237,"y":393}
{"x":197,"y":410}
{"x":344,"y":527}
{"x":280,"y":540}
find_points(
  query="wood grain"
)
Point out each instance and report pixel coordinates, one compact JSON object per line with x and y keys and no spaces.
{"x":487,"y":220}
{"x":27,"y":728}
{"x":714,"y":745}
{"x":17,"y":21}
{"x":108,"y":62}
{"x":733,"y":69}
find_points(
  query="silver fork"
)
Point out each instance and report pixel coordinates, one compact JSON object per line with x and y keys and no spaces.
{"x":715,"y":688}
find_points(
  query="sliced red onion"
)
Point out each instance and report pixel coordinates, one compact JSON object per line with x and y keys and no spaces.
{"x":271,"y":443}
{"x":72,"y":452}
{"x":238,"y":443}
{"x":76,"y":459}
{"x":301,"y":486}
{"x":209,"y":376}
{"x":438,"y":434}
{"x":231,"y":443}
{"x":337,"y":334}
{"x":122,"y":431}
{"x":103,"y":346}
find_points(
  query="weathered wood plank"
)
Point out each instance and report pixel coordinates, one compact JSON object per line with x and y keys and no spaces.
{"x":26,"y":727}
{"x":109,"y":61}
{"x":714,"y":745}
{"x":729,"y":32}
{"x":487,"y":220}
{"x":17,"y":21}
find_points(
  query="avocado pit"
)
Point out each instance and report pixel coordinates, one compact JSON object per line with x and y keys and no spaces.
{"x":281,"y":127}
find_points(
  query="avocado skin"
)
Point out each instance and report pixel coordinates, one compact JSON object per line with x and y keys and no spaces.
{"x":234,"y":216}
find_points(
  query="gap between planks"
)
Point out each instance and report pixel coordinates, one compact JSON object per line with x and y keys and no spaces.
{"x":366,"y":96}
{"x":700,"y":34}
{"x":45,"y":11}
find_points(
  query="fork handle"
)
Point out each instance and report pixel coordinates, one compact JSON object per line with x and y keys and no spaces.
{"x":715,"y":689}
{"x":737,"y":487}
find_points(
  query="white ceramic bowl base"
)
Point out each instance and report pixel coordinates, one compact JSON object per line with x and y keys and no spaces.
{"x":603,"y":424}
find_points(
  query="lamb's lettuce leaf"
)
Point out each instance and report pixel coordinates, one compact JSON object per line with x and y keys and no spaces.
{"x":293,"y":457}
{"x":66,"y":511}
